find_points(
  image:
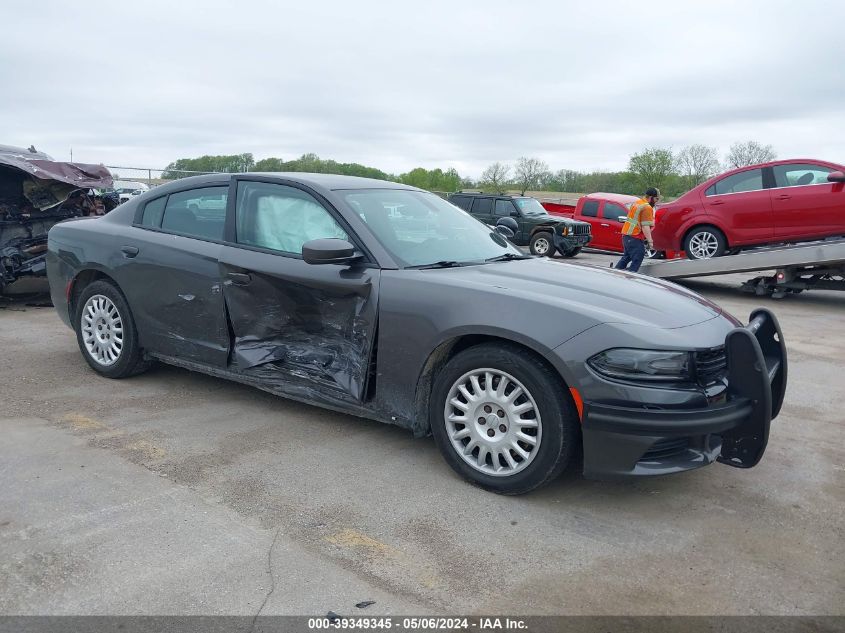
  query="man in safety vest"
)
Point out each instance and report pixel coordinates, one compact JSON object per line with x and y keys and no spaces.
{"x":638,"y":226}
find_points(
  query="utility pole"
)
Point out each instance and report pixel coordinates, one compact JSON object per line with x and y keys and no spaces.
{"x":71,"y":154}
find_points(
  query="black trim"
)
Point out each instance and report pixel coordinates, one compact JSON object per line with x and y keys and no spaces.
{"x":757,"y":376}
{"x":629,"y":421}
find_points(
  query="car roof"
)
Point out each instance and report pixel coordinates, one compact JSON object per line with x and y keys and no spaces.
{"x":612,"y":197}
{"x":333,"y":182}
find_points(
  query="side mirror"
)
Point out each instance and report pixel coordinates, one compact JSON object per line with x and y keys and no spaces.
{"x":507,"y":227}
{"x":836,"y":176}
{"x":328,"y":251}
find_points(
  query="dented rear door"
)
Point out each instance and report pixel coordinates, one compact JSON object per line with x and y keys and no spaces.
{"x":303,"y":329}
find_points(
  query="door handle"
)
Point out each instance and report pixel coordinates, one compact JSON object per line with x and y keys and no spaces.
{"x":603,"y":224}
{"x":239,"y":279}
{"x":129,"y":251}
{"x":716,"y":203}
{"x":783,"y":196}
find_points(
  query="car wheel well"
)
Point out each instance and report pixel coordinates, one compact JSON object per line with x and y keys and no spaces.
{"x":442,"y":354}
{"x":81,"y":281}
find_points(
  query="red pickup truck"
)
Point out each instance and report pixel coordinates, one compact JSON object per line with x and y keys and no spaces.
{"x":602,"y":211}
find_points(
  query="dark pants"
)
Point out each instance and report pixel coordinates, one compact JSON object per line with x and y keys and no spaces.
{"x":634,"y":252}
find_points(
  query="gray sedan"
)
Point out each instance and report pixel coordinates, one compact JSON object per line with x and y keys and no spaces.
{"x":387,"y":302}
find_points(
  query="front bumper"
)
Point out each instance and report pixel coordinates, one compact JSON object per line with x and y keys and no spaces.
{"x":566,"y":243}
{"x":622,"y":441}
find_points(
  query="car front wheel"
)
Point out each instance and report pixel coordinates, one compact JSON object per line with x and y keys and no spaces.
{"x":105,"y":331}
{"x":542,"y":244}
{"x":501,"y":419}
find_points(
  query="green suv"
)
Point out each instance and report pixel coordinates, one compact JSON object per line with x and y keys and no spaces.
{"x":542,"y":233}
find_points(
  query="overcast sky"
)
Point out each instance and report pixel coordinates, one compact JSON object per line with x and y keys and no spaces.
{"x":396,"y":85}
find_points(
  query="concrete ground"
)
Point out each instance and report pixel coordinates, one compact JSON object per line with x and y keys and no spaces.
{"x":176,"y":493}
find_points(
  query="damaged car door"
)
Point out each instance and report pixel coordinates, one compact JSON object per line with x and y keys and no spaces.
{"x":302,"y":329}
{"x":168,"y":266}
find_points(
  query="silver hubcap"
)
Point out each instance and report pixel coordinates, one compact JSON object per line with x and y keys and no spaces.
{"x":493,"y":422}
{"x":541,"y":246}
{"x":703,"y":245}
{"x":650,"y":252}
{"x":102,"y":330}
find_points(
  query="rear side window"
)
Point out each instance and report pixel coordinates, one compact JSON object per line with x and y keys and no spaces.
{"x":751,"y":180}
{"x":800,"y":174}
{"x":504,"y":208}
{"x":153,"y":211}
{"x":197,"y":213}
{"x":482,"y":206}
{"x":590,"y":209}
{"x":613,"y":211}
{"x":461,"y":201}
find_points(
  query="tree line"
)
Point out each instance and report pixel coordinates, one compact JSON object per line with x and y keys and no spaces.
{"x":673,"y":172}
{"x":670,"y":171}
{"x":431,"y":179}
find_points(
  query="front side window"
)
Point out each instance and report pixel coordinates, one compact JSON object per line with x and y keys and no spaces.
{"x":613,"y":211}
{"x":281,"y":218}
{"x":751,"y":180}
{"x":800,"y":174}
{"x":419,"y":228}
{"x":196,"y":213}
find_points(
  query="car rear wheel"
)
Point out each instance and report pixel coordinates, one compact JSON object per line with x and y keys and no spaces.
{"x":542,"y":244}
{"x":705,"y":242}
{"x":501,"y":419}
{"x":105,"y":331}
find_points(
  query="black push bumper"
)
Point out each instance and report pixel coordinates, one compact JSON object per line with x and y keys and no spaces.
{"x":567,"y":243}
{"x":621,"y":441}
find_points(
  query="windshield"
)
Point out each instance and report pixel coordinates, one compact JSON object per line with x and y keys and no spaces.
{"x":530,"y":206}
{"x":419,"y":228}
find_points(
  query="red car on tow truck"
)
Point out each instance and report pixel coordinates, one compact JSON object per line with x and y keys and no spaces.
{"x":781,"y":201}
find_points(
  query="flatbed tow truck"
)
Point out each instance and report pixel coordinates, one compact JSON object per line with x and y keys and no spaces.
{"x":804,"y":266}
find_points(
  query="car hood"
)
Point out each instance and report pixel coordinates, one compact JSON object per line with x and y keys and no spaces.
{"x":602,"y":294}
{"x":551,"y":219}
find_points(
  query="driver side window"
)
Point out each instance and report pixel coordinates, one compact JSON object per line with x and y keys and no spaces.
{"x":281,"y":218}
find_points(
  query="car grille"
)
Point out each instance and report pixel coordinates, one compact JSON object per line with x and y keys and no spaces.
{"x":580,"y":229}
{"x":711,"y":365}
{"x":669,"y":447}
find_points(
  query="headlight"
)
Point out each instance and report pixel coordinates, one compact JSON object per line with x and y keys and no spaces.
{"x":643,"y":364}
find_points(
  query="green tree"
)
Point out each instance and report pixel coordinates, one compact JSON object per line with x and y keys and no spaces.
{"x":234,"y":163}
{"x":652,"y":167}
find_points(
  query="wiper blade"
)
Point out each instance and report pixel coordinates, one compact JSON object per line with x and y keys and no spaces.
{"x":508,"y":257}
{"x":446,"y":263}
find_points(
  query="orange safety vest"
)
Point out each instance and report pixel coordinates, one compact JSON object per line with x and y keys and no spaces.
{"x":639,"y":214}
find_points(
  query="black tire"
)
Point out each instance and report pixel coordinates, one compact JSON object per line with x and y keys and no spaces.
{"x":130,"y":360}
{"x":546,"y":243}
{"x":704,"y":233}
{"x":571,"y":253}
{"x":558,"y":427}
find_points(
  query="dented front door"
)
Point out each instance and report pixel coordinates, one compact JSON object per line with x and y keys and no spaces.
{"x":304,"y":329}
